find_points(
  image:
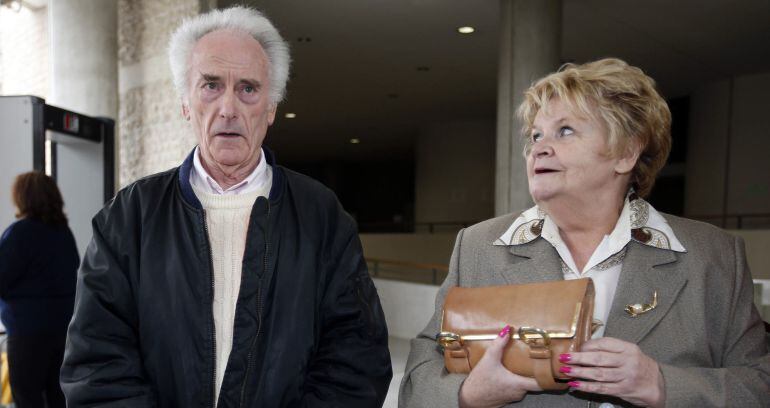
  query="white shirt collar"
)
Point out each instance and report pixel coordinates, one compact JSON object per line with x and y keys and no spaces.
{"x":638,"y":221}
{"x":256,"y":180}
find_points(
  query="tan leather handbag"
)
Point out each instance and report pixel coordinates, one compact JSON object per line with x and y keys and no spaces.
{"x":547,"y":319}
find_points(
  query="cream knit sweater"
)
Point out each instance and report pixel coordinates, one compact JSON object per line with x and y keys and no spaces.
{"x":227,"y":220}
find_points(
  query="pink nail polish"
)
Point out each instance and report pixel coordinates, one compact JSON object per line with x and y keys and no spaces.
{"x":505,"y":331}
{"x":565,"y":369}
{"x":565,"y":358}
{"x":574,"y":384}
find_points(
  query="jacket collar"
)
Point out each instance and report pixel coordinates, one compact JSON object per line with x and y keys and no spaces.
{"x":646,"y":270}
{"x":538,"y":258}
{"x":189,"y":195}
{"x":638,"y":221}
{"x":649,"y":266}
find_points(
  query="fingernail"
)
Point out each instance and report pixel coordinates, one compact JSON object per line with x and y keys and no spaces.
{"x":505,"y":331}
{"x":574,"y":384}
{"x":565,"y":369}
{"x":565,"y":357}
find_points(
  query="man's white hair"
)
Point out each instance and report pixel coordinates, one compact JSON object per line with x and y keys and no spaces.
{"x":238,"y":18}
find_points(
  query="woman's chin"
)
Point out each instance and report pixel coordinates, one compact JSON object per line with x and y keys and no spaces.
{"x":540,"y":195}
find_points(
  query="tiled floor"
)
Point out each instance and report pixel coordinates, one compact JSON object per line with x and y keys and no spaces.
{"x":399,"y":351}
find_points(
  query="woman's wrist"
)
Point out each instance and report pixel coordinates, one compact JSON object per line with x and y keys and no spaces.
{"x":658,"y":394}
{"x":462,"y":396}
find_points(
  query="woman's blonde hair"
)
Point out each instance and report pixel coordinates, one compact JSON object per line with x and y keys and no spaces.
{"x":623,"y":98}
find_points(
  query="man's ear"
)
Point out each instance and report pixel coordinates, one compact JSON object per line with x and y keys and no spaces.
{"x":185,"y":111}
{"x":271,"y":114}
{"x":627,"y":161}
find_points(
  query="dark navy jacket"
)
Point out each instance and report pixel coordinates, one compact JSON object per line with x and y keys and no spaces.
{"x":309,"y":329}
{"x":38,"y":269}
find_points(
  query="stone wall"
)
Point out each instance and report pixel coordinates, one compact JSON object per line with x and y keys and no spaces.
{"x":24,"y":49}
{"x":153,"y":136}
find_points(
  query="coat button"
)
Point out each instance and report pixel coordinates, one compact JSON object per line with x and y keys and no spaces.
{"x":537,"y":228}
{"x":641,"y":235}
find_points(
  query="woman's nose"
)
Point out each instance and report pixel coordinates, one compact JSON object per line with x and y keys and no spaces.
{"x":542,"y":149}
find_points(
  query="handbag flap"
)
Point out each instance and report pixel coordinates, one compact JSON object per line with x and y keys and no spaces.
{"x":553,"y":306}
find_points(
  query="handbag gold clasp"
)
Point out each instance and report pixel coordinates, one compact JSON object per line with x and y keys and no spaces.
{"x":530,"y":336}
{"x":449,"y":340}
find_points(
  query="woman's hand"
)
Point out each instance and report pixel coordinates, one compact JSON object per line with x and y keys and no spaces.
{"x":490,"y":384}
{"x":617,"y":368}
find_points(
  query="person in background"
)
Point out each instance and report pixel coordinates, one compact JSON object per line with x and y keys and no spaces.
{"x":38,"y":271}
{"x":674,"y":296}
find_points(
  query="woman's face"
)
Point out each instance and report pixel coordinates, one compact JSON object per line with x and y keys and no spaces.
{"x":569,"y":158}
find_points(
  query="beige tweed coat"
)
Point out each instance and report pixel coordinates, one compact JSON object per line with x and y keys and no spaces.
{"x":705,"y":333}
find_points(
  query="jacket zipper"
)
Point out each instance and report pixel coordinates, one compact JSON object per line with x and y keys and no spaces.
{"x":249,"y":359}
{"x":213,"y":326}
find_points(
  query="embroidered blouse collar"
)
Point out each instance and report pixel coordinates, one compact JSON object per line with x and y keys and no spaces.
{"x":638,"y":221}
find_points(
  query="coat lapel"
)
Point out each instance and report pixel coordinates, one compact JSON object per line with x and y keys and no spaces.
{"x":536,"y":261}
{"x":645,"y":270}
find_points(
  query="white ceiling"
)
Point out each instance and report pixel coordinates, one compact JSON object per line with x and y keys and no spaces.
{"x":358,"y":76}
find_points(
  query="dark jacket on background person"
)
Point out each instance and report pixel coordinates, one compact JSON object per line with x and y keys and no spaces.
{"x":308,"y":331}
{"x":38,"y":270}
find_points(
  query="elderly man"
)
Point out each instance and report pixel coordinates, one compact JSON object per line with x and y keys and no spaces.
{"x":229,"y":281}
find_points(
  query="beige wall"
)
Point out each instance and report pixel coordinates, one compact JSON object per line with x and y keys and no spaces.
{"x":24,"y":47}
{"x":153,"y":134}
{"x":455,"y":172}
{"x":757,"y":251}
{"x":420,"y":248}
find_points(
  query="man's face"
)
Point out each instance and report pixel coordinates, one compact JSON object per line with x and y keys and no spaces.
{"x":228,"y":100}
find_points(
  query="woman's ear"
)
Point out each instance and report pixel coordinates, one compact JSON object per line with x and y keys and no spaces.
{"x":627,"y":161}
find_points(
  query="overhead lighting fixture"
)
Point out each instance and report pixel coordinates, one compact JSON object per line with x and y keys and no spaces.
{"x":290,"y":115}
{"x":465,"y":30}
{"x":355,"y":140}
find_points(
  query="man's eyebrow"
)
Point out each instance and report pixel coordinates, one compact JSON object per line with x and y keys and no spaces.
{"x":209,"y":77}
{"x":249,"y":81}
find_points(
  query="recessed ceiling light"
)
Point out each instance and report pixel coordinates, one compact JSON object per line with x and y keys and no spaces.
{"x":290,"y":115}
{"x":355,"y":140}
{"x":465,"y":30}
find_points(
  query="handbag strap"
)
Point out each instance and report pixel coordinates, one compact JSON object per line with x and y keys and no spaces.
{"x":543,"y":370}
{"x":540,"y":352}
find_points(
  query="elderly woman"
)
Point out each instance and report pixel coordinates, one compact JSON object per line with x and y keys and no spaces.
{"x":596,"y":136}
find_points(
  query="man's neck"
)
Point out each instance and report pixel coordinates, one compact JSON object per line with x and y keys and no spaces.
{"x":228,"y":176}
